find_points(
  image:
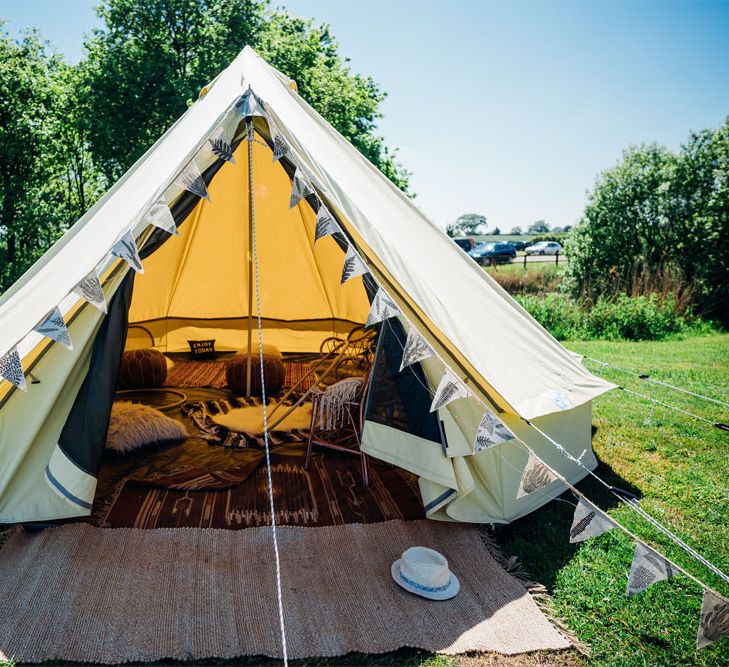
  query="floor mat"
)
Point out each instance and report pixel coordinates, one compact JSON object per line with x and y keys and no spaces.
{"x":329,"y":493}
{"x":86,"y":594}
{"x":211,"y":373}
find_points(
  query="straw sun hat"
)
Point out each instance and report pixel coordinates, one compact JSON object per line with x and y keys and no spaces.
{"x":425,"y":572}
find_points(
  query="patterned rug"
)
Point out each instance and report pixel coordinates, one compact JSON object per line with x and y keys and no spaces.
{"x":202,"y":412}
{"x":329,"y":493}
{"x":212,"y":374}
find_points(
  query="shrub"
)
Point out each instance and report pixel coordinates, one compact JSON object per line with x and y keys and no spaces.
{"x":516,"y":280}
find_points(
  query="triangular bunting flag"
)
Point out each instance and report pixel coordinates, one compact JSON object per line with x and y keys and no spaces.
{"x":250,"y":105}
{"x":382,"y":308}
{"x":220,"y":146}
{"x":325,"y":224}
{"x":714,"y":623}
{"x":159,"y":215}
{"x":353,"y":265}
{"x":491,"y":432}
{"x":300,"y":188}
{"x":191,"y":179}
{"x":126,"y":249}
{"x":11,"y":370}
{"x":450,"y":388}
{"x":90,"y":290}
{"x":647,"y":568}
{"x":280,"y":145}
{"x":54,"y":328}
{"x":416,"y":349}
{"x":588,"y":522}
{"x":536,"y":476}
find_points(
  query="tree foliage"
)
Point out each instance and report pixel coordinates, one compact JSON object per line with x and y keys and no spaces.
{"x":538,"y":227}
{"x":659,"y":213}
{"x":467,"y":224}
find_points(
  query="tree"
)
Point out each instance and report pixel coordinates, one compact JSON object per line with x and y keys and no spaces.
{"x":496,"y":232}
{"x":152,"y":58}
{"x":538,"y":227}
{"x":516,"y":231}
{"x":467,"y":224}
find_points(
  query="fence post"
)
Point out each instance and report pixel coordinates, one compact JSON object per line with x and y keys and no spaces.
{"x":556,"y":257}
{"x":525,"y":258}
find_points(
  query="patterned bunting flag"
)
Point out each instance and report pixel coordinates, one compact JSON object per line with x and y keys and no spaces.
{"x":90,"y":290}
{"x":536,"y":476}
{"x":382,"y":308}
{"x":220,"y":145}
{"x":300,"y":188}
{"x":490,"y":432}
{"x":159,"y":215}
{"x":647,"y":568}
{"x":450,"y":388}
{"x":125,"y":248}
{"x":325,"y":224}
{"x":249,"y":105}
{"x":191,"y":179}
{"x":54,"y":328}
{"x":11,"y":370}
{"x":588,"y":522}
{"x":714,"y":623}
{"x":280,"y":145}
{"x":353,"y":265}
{"x":416,"y":349}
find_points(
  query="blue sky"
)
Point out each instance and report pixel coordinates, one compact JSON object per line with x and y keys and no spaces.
{"x":506,"y":109}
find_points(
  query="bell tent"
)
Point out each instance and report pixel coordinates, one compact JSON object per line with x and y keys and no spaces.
{"x":252,"y":182}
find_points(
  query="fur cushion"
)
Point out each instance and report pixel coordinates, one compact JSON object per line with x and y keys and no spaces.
{"x":133,"y":425}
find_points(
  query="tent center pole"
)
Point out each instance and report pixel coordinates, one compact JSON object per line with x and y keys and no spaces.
{"x":250,"y":259}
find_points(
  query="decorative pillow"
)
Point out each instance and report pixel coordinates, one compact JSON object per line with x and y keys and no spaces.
{"x":202,"y":349}
{"x":133,"y":425}
{"x":140,"y":369}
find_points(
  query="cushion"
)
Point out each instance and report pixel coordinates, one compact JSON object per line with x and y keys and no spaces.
{"x":274,"y":374}
{"x":133,"y":425}
{"x":140,"y":369}
{"x":268,"y":349}
{"x":202,"y":349}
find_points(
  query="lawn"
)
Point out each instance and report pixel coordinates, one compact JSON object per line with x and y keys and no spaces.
{"x":679,"y":468}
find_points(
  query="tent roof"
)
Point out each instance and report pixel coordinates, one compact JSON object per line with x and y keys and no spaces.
{"x":490,"y":340}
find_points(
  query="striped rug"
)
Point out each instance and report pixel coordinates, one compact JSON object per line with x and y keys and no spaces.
{"x":212,"y":374}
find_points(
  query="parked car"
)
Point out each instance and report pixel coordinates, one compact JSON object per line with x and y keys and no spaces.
{"x":544,"y":248}
{"x":465,"y":243}
{"x":493,"y":253}
{"x":518,"y":245}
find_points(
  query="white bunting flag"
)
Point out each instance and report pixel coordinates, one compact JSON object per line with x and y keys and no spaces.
{"x":125,"y":248}
{"x":219,"y":144}
{"x":325,"y":224}
{"x":280,"y":145}
{"x":588,"y":522}
{"x":159,"y":215}
{"x":382,"y":308}
{"x":353,"y":265}
{"x":536,"y":476}
{"x":490,"y":432}
{"x":450,"y":388}
{"x":90,"y":290}
{"x":300,"y":188}
{"x":416,"y":349}
{"x":54,"y":328}
{"x":191,"y":179}
{"x":714,"y":623}
{"x":11,"y":370}
{"x":647,"y":568}
{"x":249,"y":105}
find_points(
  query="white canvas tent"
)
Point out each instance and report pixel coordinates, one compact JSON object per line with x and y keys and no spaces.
{"x":507,"y":360}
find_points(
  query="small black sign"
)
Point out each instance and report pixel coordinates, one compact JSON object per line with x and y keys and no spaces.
{"x":202,"y":349}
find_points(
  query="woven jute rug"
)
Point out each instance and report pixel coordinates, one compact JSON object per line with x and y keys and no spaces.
{"x":87,"y":594}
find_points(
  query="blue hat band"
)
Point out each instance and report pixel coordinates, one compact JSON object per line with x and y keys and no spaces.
{"x":425,"y":589}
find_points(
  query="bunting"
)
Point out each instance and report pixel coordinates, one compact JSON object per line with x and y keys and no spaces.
{"x":191,"y":179}
{"x":220,"y":145}
{"x":159,"y":215}
{"x":647,"y":568}
{"x":382,"y":308}
{"x":300,"y":188}
{"x":714,"y":623}
{"x":353,"y":265}
{"x":325,"y":224}
{"x":280,"y":145}
{"x":588,"y":522}
{"x":249,"y":105}
{"x":54,"y":327}
{"x":125,"y":248}
{"x":11,"y":370}
{"x":450,"y":388}
{"x":490,"y":432}
{"x":416,"y":349}
{"x":90,"y":290}
{"x":536,"y":476}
